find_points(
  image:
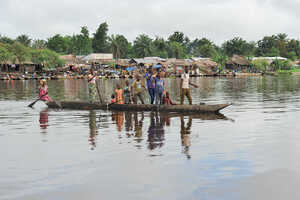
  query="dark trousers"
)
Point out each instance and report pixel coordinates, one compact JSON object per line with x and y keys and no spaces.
{"x":136,"y":96}
{"x":152,"y":94}
{"x":185,"y":92}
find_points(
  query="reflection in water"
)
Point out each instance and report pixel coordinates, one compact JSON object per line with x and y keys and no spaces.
{"x":118,"y":117}
{"x":156,"y":132}
{"x":138,"y":126}
{"x":44,"y":119}
{"x":185,"y":132}
{"x":93,"y":129}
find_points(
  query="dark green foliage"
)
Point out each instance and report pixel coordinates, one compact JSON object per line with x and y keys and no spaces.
{"x":100,"y":41}
{"x":81,"y":44}
{"x":24,"y":39}
{"x":60,"y":44}
{"x":119,"y":46}
{"x":238,"y":46}
{"x":143,"y":46}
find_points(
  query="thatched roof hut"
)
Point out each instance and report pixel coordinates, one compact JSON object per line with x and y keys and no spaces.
{"x":238,"y":60}
{"x":70,"y":59}
{"x":98,"y":58}
{"x":206,"y":65}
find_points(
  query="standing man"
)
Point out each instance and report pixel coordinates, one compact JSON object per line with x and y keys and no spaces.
{"x":137,"y":87}
{"x":150,"y":84}
{"x":184,"y":85}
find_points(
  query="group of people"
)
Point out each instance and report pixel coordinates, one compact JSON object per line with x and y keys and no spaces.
{"x":131,"y":93}
{"x":156,"y":89}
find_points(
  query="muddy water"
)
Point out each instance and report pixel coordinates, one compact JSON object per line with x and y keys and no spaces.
{"x":250,"y":151}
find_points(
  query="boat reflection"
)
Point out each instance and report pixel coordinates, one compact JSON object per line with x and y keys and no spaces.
{"x":118,"y":117}
{"x":156,"y":132}
{"x":44,"y":115}
{"x":93,"y":129}
{"x":131,"y":123}
{"x":185,"y":132}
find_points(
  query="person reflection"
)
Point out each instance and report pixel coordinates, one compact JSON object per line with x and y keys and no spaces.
{"x":156,"y":131}
{"x":185,"y":135}
{"x":93,"y":129}
{"x":119,"y":118}
{"x":128,"y":121}
{"x":138,"y":126}
{"x":44,"y":119}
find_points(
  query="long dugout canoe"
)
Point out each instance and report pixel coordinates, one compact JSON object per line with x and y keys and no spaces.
{"x":77,"y":105}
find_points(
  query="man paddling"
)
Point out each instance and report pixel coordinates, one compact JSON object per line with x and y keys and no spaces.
{"x":184,"y":85}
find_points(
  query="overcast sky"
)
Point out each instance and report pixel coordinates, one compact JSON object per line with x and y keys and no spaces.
{"x":218,"y":20}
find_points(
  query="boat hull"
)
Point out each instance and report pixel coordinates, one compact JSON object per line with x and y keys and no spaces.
{"x":77,"y":105}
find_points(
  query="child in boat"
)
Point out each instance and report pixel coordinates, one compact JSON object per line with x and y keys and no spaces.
{"x":43,"y":91}
{"x":119,"y":94}
{"x":167,"y":100}
{"x":113,"y":98}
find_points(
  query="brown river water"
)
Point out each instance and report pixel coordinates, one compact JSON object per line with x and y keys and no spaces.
{"x":250,"y":151}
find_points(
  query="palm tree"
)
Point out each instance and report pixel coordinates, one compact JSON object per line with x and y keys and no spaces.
{"x":115,"y":46}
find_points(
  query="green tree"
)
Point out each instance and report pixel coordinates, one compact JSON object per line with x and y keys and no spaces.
{"x":143,"y":46}
{"x":119,"y":46}
{"x":60,"y":44}
{"x":294,"y":46}
{"x":39,"y":44}
{"x":203,"y":48}
{"x":221,"y":58}
{"x":24,"y":39}
{"x":177,"y":37}
{"x":5,"y":56}
{"x":49,"y":59}
{"x":6,"y":40}
{"x":100,"y":40}
{"x":176,"y":50}
{"x":81,"y":44}
{"x":238,"y":46}
{"x":21,"y":54}
{"x":260,"y":64}
{"x":160,"y":47}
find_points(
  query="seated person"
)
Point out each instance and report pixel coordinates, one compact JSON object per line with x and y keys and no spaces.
{"x":167,"y":100}
{"x":113,"y":99}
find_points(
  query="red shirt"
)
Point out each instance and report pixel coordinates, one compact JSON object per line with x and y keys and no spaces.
{"x":168,"y":101}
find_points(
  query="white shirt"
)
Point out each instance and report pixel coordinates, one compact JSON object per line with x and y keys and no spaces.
{"x":185,"y":80}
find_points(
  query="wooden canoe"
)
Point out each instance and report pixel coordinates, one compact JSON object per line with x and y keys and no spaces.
{"x":77,"y":105}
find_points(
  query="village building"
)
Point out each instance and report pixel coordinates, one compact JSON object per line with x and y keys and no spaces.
{"x":238,"y":63}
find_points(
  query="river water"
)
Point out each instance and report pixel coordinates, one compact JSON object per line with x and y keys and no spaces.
{"x":250,"y":151}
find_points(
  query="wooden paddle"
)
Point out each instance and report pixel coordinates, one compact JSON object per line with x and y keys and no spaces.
{"x":30,"y":105}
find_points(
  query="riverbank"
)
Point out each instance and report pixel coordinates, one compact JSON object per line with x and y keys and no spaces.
{"x":19,"y":76}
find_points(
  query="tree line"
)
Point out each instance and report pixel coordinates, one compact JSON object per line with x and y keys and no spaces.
{"x":177,"y":45}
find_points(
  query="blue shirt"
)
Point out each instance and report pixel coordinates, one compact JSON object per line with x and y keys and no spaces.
{"x":149,"y":78}
{"x":159,"y":85}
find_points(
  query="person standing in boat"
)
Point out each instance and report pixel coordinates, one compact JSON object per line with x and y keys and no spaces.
{"x":159,"y":89}
{"x":151,"y":84}
{"x":127,"y":92}
{"x":92,"y":86}
{"x":43,"y":91}
{"x":184,"y":85}
{"x":119,"y":95}
{"x":138,"y":90}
